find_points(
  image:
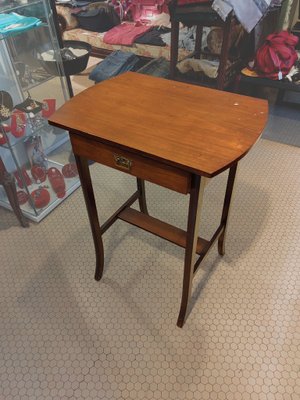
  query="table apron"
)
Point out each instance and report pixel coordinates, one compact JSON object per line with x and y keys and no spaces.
{"x":142,"y":167}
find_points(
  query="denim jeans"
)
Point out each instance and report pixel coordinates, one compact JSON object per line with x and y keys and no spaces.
{"x":116,"y":63}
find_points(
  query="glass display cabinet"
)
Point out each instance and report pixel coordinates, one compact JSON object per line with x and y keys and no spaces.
{"x":32,"y":86}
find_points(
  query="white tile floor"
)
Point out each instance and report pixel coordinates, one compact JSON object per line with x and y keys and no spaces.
{"x":65,"y":336}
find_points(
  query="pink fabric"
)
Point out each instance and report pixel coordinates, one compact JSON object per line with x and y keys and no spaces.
{"x":185,"y":2}
{"x":145,"y":10}
{"x":125,"y":34}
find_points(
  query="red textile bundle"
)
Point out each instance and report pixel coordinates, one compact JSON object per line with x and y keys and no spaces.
{"x":276,"y":56}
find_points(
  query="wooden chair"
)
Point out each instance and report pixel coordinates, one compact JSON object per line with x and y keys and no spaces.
{"x":199,"y":15}
{"x":8,"y":182}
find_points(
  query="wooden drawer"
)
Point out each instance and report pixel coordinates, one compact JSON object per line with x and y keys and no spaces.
{"x":133,"y":164}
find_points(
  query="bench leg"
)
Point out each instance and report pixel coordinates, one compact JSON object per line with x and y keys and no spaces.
{"x":198,"y":44}
{"x":174,"y":48}
{"x":224,"y":54}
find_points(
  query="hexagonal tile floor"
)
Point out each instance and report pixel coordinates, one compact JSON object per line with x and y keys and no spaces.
{"x":65,"y":336}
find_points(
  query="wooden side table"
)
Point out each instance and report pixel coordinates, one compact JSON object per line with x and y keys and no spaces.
{"x":170,"y":133}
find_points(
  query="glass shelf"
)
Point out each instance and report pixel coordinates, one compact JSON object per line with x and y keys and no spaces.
{"x":16,"y":5}
{"x":30,"y":86}
{"x":13,"y":34}
{"x":44,"y":130}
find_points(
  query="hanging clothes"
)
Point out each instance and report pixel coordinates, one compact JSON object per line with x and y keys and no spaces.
{"x":249,"y":12}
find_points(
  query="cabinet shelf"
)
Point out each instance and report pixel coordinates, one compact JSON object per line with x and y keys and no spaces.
{"x":44,"y":77}
{"x":14,"y":34}
{"x":43,"y":130}
{"x":14,"y":6}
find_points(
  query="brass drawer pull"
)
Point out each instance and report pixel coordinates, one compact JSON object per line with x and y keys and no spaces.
{"x":122,"y":162}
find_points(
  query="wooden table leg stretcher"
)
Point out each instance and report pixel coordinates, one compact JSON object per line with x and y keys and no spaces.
{"x":189,"y":239}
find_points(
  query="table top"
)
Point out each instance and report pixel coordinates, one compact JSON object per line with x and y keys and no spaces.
{"x":198,"y":129}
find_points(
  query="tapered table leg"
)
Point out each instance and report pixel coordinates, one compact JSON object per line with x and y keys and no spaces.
{"x":196,"y":198}
{"x":226,"y":208}
{"x":142,"y":195}
{"x":89,"y":197}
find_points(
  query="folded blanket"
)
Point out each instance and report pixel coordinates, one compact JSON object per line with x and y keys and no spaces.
{"x":125,"y":34}
{"x":153,"y":37}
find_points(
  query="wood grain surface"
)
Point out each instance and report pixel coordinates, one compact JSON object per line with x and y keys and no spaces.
{"x":198,"y":129}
